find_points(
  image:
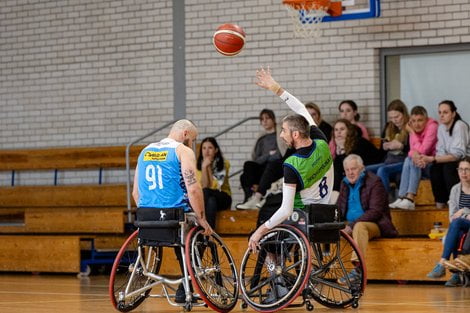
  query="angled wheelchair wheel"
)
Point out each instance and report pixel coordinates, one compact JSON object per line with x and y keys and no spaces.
{"x":336,"y":281}
{"x":275,"y":276}
{"x":127,"y":274}
{"x":212,"y":270}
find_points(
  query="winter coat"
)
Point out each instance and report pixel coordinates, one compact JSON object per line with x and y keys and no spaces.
{"x":374,"y":201}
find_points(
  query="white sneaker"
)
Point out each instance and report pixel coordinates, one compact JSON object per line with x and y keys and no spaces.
{"x":395,"y":204}
{"x":406,"y":204}
{"x":260,"y":204}
{"x":250,"y":204}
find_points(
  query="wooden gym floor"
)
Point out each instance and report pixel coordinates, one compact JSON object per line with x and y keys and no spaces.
{"x":28,"y":293}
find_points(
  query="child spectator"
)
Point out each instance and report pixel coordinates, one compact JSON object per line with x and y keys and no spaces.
{"x":459,"y":209}
{"x":348,"y":111}
{"x":453,"y":144}
{"x":423,"y":139}
{"x":212,"y":174}
{"x":315,"y":112}
{"x":395,"y":143}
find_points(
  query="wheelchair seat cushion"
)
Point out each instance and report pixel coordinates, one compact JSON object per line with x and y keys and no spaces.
{"x":159,"y":226}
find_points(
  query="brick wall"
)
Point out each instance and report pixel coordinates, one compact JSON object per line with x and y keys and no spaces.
{"x":80,"y":73}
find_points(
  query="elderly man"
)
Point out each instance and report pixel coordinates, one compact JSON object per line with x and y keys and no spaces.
{"x":363,"y":202}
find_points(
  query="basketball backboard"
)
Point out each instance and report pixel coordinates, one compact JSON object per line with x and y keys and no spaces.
{"x":308,"y":15}
{"x":356,"y":9}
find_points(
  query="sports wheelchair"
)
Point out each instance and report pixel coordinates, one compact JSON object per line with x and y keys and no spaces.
{"x":309,"y":255}
{"x":206,"y":263}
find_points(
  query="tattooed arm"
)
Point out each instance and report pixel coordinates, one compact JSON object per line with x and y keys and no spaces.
{"x":195,"y":195}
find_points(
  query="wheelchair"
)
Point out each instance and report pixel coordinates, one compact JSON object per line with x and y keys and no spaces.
{"x":309,"y":255}
{"x":206,"y":261}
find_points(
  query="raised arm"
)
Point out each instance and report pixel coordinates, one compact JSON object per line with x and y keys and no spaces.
{"x":265,"y":80}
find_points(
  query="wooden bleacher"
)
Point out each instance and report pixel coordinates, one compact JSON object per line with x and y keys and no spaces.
{"x":45,"y":228}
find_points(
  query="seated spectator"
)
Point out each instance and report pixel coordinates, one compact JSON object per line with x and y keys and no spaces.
{"x":266,"y":164}
{"x":345,"y":140}
{"x":395,"y":143}
{"x":315,"y":112}
{"x":212,"y":174}
{"x":348,"y":111}
{"x":459,"y":209}
{"x":453,"y":144}
{"x":363,"y":203}
{"x":462,"y":262}
{"x":423,"y":139}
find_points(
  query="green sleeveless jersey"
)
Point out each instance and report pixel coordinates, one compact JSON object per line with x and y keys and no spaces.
{"x":315,"y":174}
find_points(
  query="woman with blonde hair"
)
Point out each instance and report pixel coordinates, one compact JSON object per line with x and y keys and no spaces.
{"x":395,"y":143}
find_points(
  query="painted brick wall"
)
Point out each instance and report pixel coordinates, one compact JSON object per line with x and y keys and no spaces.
{"x":82,"y":73}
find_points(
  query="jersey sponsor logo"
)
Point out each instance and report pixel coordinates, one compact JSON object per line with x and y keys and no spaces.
{"x":155,"y":155}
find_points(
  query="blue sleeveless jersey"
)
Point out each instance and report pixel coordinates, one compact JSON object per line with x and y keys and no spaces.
{"x":160,"y":182}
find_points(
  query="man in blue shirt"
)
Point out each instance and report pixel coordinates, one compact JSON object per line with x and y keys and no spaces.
{"x":363,"y":202}
{"x":165,"y":178}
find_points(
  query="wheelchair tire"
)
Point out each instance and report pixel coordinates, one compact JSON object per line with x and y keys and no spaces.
{"x":212,"y":270}
{"x":275,"y":276}
{"x":331,"y":263}
{"x":124,"y":265}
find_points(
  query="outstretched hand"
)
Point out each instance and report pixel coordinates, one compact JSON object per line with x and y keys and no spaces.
{"x":266,"y":81}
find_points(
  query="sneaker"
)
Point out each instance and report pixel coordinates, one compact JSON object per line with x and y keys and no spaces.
{"x":454,"y":281}
{"x":350,"y":278}
{"x":406,"y":204}
{"x":438,"y":271}
{"x":394,"y":204}
{"x":180,"y":295}
{"x":463,"y":261}
{"x":278,"y":291}
{"x":250,"y":204}
{"x":260,"y":204}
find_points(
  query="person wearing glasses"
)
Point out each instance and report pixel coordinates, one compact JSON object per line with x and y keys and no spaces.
{"x":459,"y":213}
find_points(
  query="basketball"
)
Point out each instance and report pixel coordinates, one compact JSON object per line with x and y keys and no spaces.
{"x":229,"y":39}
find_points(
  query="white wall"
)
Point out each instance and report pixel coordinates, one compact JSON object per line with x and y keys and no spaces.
{"x":427,"y":79}
{"x":89,"y":72}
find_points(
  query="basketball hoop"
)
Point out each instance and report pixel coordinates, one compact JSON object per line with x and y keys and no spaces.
{"x":307,"y":15}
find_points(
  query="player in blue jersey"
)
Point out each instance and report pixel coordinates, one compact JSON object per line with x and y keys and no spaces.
{"x":165,"y":178}
{"x":308,"y":171}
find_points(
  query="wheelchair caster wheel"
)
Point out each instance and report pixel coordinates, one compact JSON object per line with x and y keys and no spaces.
{"x":309,"y":306}
{"x":188,"y":307}
{"x":86,"y":273}
{"x":355,"y":304}
{"x":244,"y":305}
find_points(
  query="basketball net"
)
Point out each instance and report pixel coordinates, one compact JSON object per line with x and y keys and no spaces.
{"x":306,"y":16}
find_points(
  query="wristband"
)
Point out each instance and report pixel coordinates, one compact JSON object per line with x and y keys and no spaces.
{"x":275,"y":88}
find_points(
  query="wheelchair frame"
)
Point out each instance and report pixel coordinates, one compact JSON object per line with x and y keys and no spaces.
{"x":330,"y":260}
{"x":207,"y":263}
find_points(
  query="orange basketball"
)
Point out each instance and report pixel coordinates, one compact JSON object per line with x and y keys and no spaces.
{"x":229,"y":39}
